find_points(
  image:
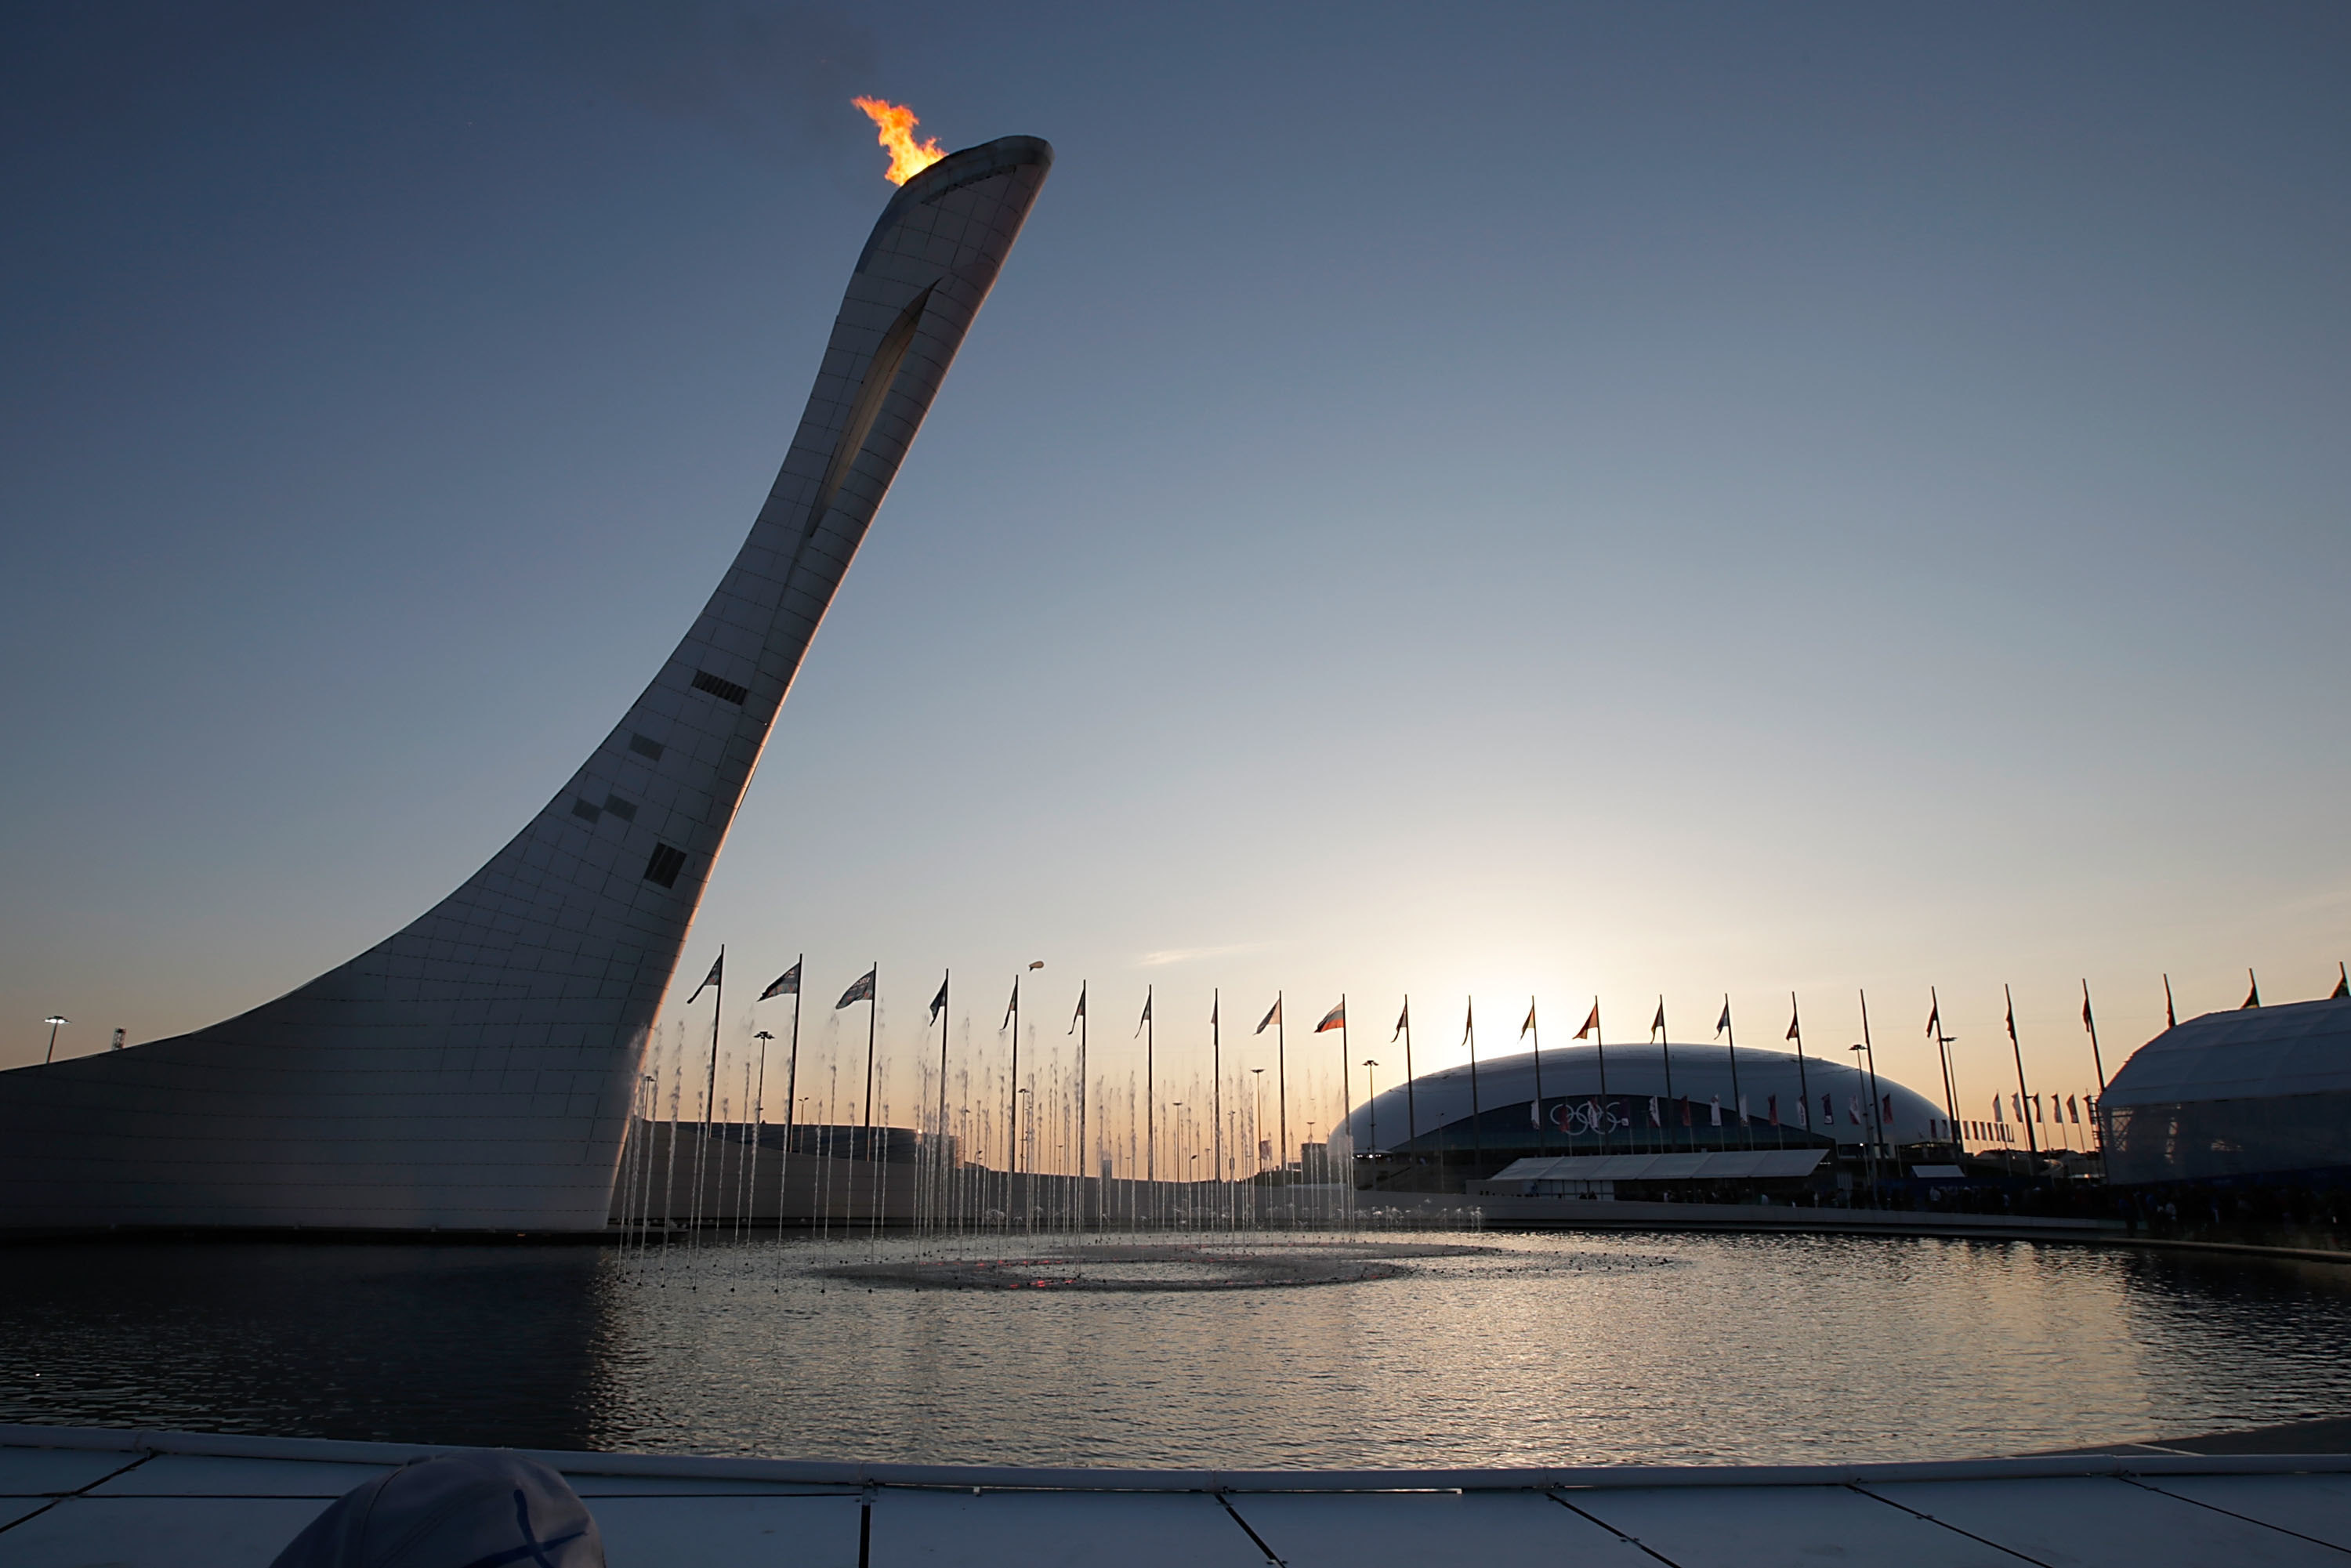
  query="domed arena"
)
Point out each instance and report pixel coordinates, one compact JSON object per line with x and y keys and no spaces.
{"x":1468,"y":1122}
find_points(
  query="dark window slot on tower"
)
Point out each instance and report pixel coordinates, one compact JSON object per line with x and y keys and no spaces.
{"x":724,"y":691}
{"x":664,"y":865}
{"x":585,"y":811}
{"x":645,"y":747}
{"x":620,"y":808}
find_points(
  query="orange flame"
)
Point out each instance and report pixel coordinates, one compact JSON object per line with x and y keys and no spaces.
{"x":896,"y":124}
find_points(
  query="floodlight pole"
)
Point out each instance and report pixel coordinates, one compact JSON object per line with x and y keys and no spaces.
{"x":758,"y":1130}
{"x":1257,"y":1118}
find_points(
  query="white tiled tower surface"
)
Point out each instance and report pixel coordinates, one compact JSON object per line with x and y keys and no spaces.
{"x":474,"y":1071}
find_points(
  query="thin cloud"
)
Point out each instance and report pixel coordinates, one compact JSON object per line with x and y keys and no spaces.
{"x":1187,"y":954}
{"x":2314,"y":903}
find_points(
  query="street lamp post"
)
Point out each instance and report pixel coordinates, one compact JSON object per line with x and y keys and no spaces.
{"x":1177,"y":1107}
{"x":758,"y":1129}
{"x":1876,"y":1116}
{"x":1027,"y":1209}
{"x":1257,"y":1133}
{"x":1257,"y":1122}
{"x":1865,"y":1067}
{"x":53,"y":1021}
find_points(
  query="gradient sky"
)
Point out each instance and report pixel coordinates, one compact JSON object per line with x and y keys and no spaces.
{"x":1622,"y":499}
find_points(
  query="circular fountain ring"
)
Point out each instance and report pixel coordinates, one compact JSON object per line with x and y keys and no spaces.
{"x":1167,"y":1267}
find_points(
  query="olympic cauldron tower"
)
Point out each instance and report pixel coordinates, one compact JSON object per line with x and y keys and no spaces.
{"x":475,"y":1070}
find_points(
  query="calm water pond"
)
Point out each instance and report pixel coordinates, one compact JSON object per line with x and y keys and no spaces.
{"x":1545,"y":1349}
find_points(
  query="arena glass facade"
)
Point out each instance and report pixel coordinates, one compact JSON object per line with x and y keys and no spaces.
{"x":2261,"y":1092}
{"x":1640,"y":1099}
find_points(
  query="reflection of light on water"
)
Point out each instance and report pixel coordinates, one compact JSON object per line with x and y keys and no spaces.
{"x":1516,"y":1349}
{"x":1561,"y":1349}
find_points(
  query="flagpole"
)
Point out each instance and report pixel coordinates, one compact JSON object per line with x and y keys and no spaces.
{"x":709,"y":1092}
{"x":1216,"y":1073}
{"x":1281,"y":1088}
{"x":1216,"y":1094}
{"x":1477,"y":1138}
{"x":1411,"y":1105}
{"x":1739,"y":1101}
{"x":2170,"y":1017}
{"x":877,"y":1190}
{"x":871,"y":1006}
{"x":1951,"y":1092}
{"x":1346,"y":1099}
{"x":1542,"y":1132}
{"x":1950,"y":1086}
{"x":1665,"y":1051}
{"x":1875,"y":1125}
{"x":1803,"y":1079}
{"x":1012,"y":1118}
{"x":791,"y":1103}
{"x":1150,"y":1097}
{"x":2023,"y":1095}
{"x":2090,"y":1022}
{"x":946,"y":1164}
{"x":1081,"y":1102}
{"x":1600,"y":1049}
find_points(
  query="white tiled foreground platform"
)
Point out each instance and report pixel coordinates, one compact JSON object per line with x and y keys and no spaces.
{"x":71,"y":1498}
